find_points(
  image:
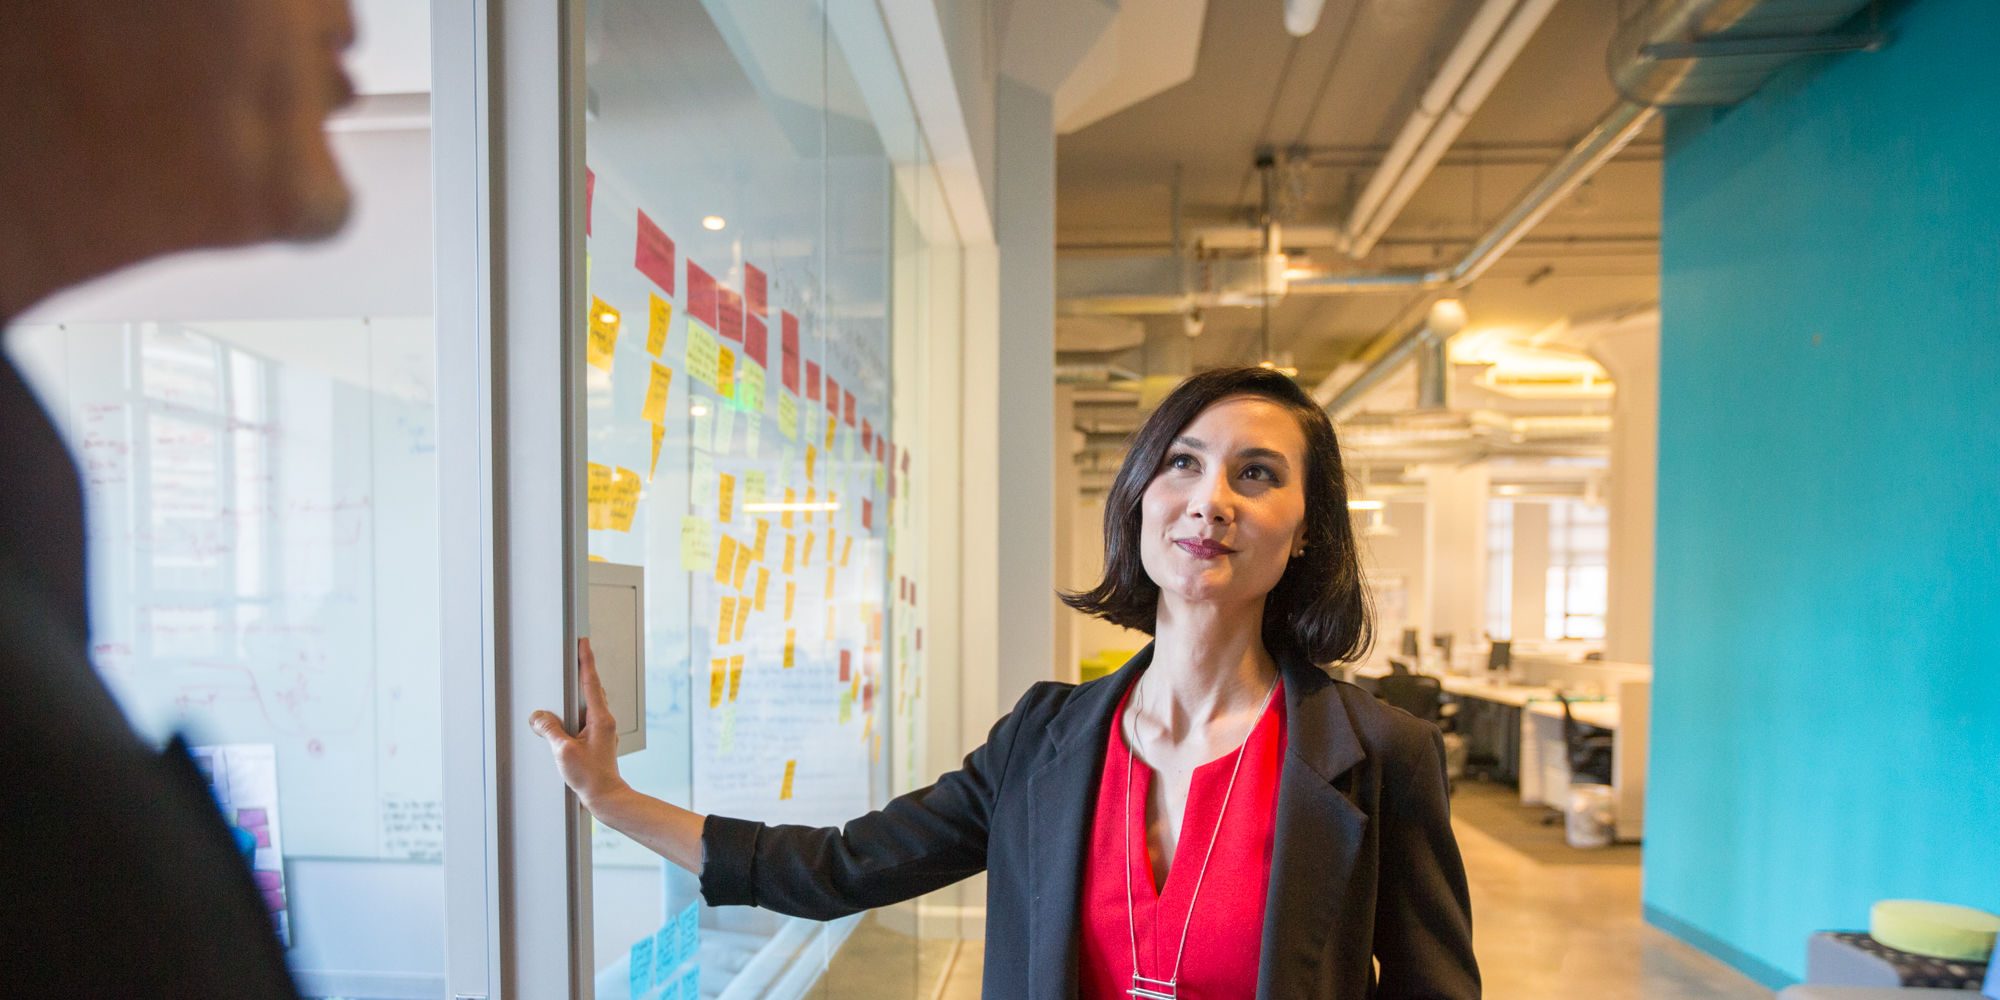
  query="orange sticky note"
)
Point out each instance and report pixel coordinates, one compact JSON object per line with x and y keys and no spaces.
{"x":735,"y":674}
{"x":725,"y":560}
{"x":659,"y":435}
{"x":830,"y":571}
{"x":603,"y":341}
{"x":790,"y":547}
{"x":846,"y":549}
{"x":829,"y":432}
{"x":791,"y":591}
{"x":624,"y":498}
{"x":654,"y":410}
{"x":718,"y":678}
{"x":742,"y":617}
{"x":763,"y":531}
{"x":829,"y":545}
{"x":812,"y":499}
{"x":659,"y":317}
{"x":763,"y":581}
{"x":725,"y":498}
{"x":791,"y":497}
{"x":742,"y":571}
{"x":812,"y":459}
{"x":806,"y":558}
{"x":791,"y":648}
{"x":725,"y":621}
{"x":725,"y":373}
{"x":785,"y":788}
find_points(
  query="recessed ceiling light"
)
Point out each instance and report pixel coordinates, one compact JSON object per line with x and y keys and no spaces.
{"x":713,"y":223}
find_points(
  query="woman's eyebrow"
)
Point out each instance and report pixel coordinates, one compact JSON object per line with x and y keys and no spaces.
{"x":1253,"y":452}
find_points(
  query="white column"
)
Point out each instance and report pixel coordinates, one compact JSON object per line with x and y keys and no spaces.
{"x":1631,"y":353}
{"x":1455,"y":551}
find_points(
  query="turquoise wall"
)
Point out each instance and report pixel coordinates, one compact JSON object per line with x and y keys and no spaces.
{"x":1827,"y":634}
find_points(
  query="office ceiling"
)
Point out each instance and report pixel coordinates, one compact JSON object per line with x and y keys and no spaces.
{"x":1328,"y":104}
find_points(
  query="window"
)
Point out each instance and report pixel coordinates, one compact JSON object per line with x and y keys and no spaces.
{"x":1579,"y":540}
{"x":1500,"y":569}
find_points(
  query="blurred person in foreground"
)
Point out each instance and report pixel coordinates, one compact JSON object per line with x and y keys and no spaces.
{"x":133,"y":128}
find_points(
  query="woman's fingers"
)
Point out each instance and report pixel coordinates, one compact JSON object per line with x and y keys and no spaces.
{"x":596,"y":707}
{"x":547,"y":726}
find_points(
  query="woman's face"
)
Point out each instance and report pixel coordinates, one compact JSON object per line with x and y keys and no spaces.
{"x":1226,"y":508}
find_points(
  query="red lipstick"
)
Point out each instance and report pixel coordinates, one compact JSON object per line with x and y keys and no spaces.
{"x":1203,"y":548}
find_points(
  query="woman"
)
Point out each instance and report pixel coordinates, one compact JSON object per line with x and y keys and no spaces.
{"x":1218,"y":818}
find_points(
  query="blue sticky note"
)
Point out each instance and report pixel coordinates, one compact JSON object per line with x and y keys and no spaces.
{"x":690,"y":982}
{"x":666,"y":953}
{"x":690,"y":925}
{"x":641,"y":962}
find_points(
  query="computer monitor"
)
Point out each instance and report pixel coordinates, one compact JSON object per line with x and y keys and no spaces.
{"x":1410,"y":647}
{"x":1442,"y":641}
{"x":1500,"y":655}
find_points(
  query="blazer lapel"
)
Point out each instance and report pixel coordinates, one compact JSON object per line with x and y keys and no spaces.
{"x":1062,"y":790}
{"x":1318,"y":833}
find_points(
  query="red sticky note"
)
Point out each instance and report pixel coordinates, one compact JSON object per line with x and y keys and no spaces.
{"x":846,"y":665}
{"x":832,"y":394}
{"x":906,"y":461}
{"x":867,"y":437}
{"x":729,"y":314}
{"x":589,"y":196}
{"x":754,"y":341}
{"x":881,"y":451}
{"x":849,"y":397}
{"x":920,"y":632}
{"x":812,"y":381}
{"x":655,"y":255}
{"x":867,"y":514}
{"x":788,"y":347}
{"x":754,"y":290}
{"x":701,"y":295}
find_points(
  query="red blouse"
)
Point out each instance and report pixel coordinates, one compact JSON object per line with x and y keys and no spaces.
{"x":1225,"y":936}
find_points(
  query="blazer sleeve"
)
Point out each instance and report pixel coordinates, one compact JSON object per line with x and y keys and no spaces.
{"x":921,"y":841}
{"x":1423,"y":910}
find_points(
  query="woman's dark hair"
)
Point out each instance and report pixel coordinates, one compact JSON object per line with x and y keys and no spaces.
{"x":1319,"y":608}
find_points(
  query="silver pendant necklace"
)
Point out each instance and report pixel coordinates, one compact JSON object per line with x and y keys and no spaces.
{"x":1146,"y":987}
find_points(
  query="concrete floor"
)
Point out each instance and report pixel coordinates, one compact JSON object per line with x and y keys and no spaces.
{"x":1549,"y":922}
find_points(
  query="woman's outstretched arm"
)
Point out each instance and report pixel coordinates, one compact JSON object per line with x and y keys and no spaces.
{"x":588,"y":761}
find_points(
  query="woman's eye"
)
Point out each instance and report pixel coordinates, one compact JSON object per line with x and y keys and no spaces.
{"x":1260,"y":473}
{"x":1180,"y":461}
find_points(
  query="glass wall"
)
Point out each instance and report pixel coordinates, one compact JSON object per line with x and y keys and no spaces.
{"x":760,"y":285}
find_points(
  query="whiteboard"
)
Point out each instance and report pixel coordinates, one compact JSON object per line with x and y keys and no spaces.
{"x":262,"y":526}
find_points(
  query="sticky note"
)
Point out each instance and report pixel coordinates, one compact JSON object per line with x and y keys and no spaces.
{"x":654,"y":257}
{"x":735,"y":674}
{"x":725,"y":429}
{"x":812,"y":500}
{"x":755,"y":486}
{"x":701,"y":425}
{"x":812,"y":459}
{"x":725,"y":621}
{"x":624,"y":498}
{"x":763,"y":534}
{"x":654,"y":410}
{"x":763,"y":582}
{"x":829,"y":433}
{"x":597,"y":495}
{"x":867,"y":514}
{"x":750,"y":387}
{"x":791,"y":648}
{"x":725,"y":497}
{"x":830,"y":583}
{"x":603,"y":340}
{"x":785,"y":788}
{"x":725,"y":372}
{"x":846,"y":707}
{"x":740,"y":572}
{"x":640,"y":961}
{"x":658,"y":319}
{"x":694,"y":543}
{"x":704,"y":354}
{"x":846,"y":549}
{"x":753,"y":437}
{"x":832,"y":500}
{"x":791,"y":498}
{"x":725,"y":560}
{"x":807,"y":560}
{"x":790,"y":544}
{"x":830,"y":631}
{"x":791,"y":591}
{"x":829,"y":544}
{"x":846,"y":665}
{"x":718,"y":680}
{"x":659,"y":435}
{"x":742,"y":618}
{"x":788,"y":416}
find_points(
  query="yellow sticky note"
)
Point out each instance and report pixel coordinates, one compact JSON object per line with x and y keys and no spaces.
{"x":654,"y":410}
{"x":740,"y":572}
{"x":597,"y":493}
{"x":830,"y":632}
{"x":790,"y":544}
{"x":763,"y":532}
{"x":659,"y":435}
{"x":725,"y":373}
{"x":812,"y":500}
{"x":718,"y":679}
{"x":846,"y":549}
{"x":695,"y":535}
{"x":755,"y":483}
{"x":832,"y":500}
{"x":725,"y":560}
{"x":750,"y":387}
{"x":846,"y":707}
{"x":742,"y":617}
{"x":624,"y":498}
{"x":603,"y":341}
{"x":829,"y":544}
{"x":785,"y":788}
{"x":725,"y":621}
{"x":830,"y":582}
{"x":807,"y":560}
{"x":791,"y":648}
{"x":812,"y":459}
{"x":660,"y":316}
{"x":788,"y":416}
{"x":763,"y":581}
{"x":704,"y":354}
{"x":735,"y":674}
{"x":829,"y":432}
{"x":791,"y":591}
{"x":725,"y":498}
{"x":791,"y":498}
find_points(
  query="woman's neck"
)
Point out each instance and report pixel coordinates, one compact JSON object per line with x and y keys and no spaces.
{"x":1208,"y":662}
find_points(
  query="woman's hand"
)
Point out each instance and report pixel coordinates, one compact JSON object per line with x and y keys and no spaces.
{"x":587,"y":760}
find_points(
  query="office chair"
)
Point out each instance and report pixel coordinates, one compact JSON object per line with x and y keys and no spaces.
{"x":1589,"y":751}
{"x":1398,"y":668}
{"x":1416,"y":694}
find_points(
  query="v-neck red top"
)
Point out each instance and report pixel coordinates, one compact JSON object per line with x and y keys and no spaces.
{"x":1225,"y":932}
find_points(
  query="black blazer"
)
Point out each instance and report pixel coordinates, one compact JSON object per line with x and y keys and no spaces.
{"x":1364,"y":870}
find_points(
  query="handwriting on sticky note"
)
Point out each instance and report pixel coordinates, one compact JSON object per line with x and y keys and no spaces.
{"x":725,"y":620}
{"x":718,"y":680}
{"x":725,"y":372}
{"x":704,"y":354}
{"x":763,"y":533}
{"x":763,"y":582}
{"x":597,"y":494}
{"x":725,"y":498}
{"x":750,"y":387}
{"x":806,"y":557}
{"x":735,"y":674}
{"x":812,"y":459}
{"x":654,"y":409}
{"x":624,"y":498}
{"x":695,"y":537}
{"x":785,"y":787}
{"x":791,"y":499}
{"x":791,"y":591}
{"x":788,"y":416}
{"x":725,"y":560}
{"x":659,"y":435}
{"x":790,"y":545}
{"x":755,"y":485}
{"x":791,"y":648}
{"x":742,"y":617}
{"x":602,"y":345}
{"x":740,"y":573}
{"x":658,"y":319}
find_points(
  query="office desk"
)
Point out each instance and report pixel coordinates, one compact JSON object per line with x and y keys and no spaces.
{"x":1545,"y":754}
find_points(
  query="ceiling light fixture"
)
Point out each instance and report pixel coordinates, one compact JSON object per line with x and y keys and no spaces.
{"x":713,"y":223}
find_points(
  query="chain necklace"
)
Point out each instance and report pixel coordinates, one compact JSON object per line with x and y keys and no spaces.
{"x":1144,"y":987}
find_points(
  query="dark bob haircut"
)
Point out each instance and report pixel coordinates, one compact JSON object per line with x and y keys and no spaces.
{"x":1319,"y":608}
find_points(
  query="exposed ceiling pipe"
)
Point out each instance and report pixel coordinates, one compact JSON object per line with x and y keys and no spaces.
{"x":1494,"y":38}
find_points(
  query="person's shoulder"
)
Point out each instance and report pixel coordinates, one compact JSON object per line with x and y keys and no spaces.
{"x":1385,"y":731}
